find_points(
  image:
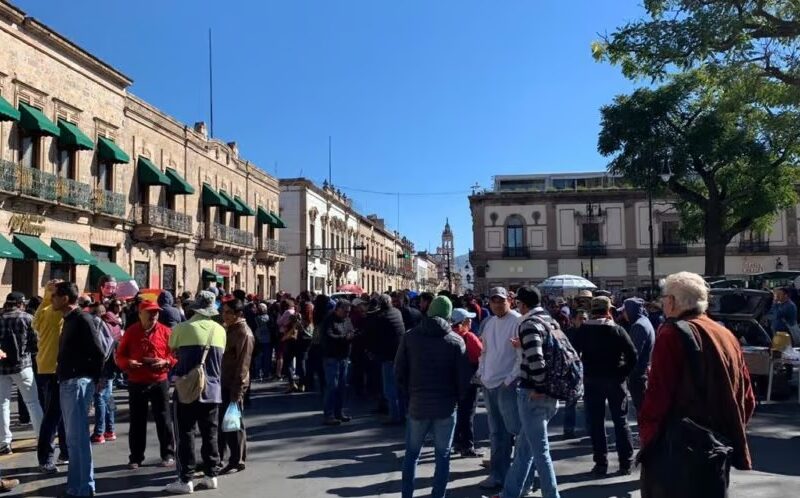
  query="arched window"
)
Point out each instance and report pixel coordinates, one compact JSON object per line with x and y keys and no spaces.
{"x":515,"y":236}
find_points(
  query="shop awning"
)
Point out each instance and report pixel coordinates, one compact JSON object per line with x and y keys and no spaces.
{"x":149,"y":174}
{"x":33,"y":248}
{"x":72,"y":252}
{"x":72,"y":137}
{"x":212,"y":198}
{"x":211,"y":276}
{"x":109,"y":151}
{"x":7,"y":111}
{"x":265,"y":217}
{"x":230,"y":203}
{"x":34,"y":120}
{"x":178,"y":185}
{"x":279,"y":223}
{"x":246,"y":210}
{"x":100,"y":268}
{"x":9,"y":250}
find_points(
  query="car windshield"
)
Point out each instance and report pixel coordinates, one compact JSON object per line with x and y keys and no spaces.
{"x":735,"y":303}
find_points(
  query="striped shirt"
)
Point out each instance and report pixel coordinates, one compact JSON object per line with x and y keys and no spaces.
{"x":533,"y":336}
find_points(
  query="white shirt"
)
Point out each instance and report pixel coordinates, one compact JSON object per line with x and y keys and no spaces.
{"x":498,"y":364}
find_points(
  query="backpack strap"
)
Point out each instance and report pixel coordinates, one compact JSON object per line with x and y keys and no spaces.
{"x":206,"y":348}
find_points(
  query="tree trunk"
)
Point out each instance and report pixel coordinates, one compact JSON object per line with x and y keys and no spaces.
{"x":715,"y":244}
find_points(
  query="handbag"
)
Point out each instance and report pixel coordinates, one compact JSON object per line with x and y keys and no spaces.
{"x":190,"y":387}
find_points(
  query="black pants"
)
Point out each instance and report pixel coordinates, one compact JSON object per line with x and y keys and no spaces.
{"x":52,"y":423}
{"x":464,"y":438}
{"x":185,"y":417}
{"x":236,"y":442}
{"x":157,"y":396}
{"x":637,"y":386}
{"x":315,"y":372}
{"x":297,"y":350}
{"x":597,"y":393}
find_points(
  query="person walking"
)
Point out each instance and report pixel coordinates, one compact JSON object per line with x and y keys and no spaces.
{"x":644,"y":337}
{"x":720,"y":398}
{"x":144,"y":355}
{"x":336,"y":336}
{"x":82,"y":352}
{"x":384,"y":327}
{"x":433,"y":370}
{"x":464,"y":438}
{"x":239,"y":344}
{"x":7,"y":485}
{"x":609,"y":357}
{"x":198,"y":342}
{"x":18,"y":341}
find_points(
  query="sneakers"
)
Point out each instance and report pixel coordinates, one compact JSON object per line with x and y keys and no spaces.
{"x":232,"y":469}
{"x":134,"y":466}
{"x":49,"y":468}
{"x":6,"y":450}
{"x":62,"y":460}
{"x":332,"y":421}
{"x":490,"y":483}
{"x":471,"y":453}
{"x":110,"y":436}
{"x":98,"y":439}
{"x":180,"y":488}
{"x":208,"y":483}
{"x":169,"y":462}
{"x":625,"y":469}
{"x":8,"y":484}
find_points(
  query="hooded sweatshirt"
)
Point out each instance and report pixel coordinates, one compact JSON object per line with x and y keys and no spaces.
{"x":169,"y":314}
{"x":432,"y":369}
{"x":642,"y":334}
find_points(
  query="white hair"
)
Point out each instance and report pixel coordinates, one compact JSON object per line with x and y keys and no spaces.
{"x":688,"y":289}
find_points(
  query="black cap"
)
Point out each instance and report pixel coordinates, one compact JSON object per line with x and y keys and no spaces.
{"x":16,"y":298}
{"x":530,"y":296}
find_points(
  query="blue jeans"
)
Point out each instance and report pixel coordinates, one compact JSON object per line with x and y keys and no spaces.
{"x":390,"y":392}
{"x":416,"y":430}
{"x":532,"y":447}
{"x":335,"y":386}
{"x":501,"y":404}
{"x":76,"y":394}
{"x":104,"y":410}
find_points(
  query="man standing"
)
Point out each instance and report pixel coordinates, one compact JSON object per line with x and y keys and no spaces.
{"x":17,"y":341}
{"x":784,"y":315}
{"x":144,"y":355}
{"x":384,"y":329}
{"x":609,"y":357}
{"x":81,"y":356}
{"x":336,"y":334}
{"x":571,"y":406}
{"x":411,"y":316}
{"x":7,"y":484}
{"x":464,"y":439}
{"x":169,"y":314}
{"x":643,"y":336}
{"x":433,"y":371}
{"x":236,"y":360}
{"x":498,"y":375}
{"x":198,"y":341}
{"x":673,"y":392}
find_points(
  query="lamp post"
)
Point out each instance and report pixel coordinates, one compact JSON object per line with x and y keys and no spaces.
{"x":594,"y":244}
{"x":665,"y":176}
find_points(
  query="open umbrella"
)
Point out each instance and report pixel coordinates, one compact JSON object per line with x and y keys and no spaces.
{"x":355,"y":289}
{"x":561,"y":283}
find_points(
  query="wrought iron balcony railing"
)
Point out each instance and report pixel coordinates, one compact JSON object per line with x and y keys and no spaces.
{"x":592,"y":249}
{"x":224,"y":233}
{"x":271,"y":245}
{"x":74,"y":193}
{"x":109,"y":203}
{"x":673,"y":248}
{"x":162,"y":217}
{"x":754,"y":246}
{"x":516,"y":252}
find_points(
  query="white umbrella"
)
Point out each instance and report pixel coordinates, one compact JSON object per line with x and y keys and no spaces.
{"x":561,"y":283}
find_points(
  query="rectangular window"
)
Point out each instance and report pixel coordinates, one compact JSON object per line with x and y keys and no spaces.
{"x":169,"y":278}
{"x":324,"y":236}
{"x":105,"y":176}
{"x":237,"y":221}
{"x":66,"y":164}
{"x":590,"y":233}
{"x":62,"y":271}
{"x":169,"y":201}
{"x":312,"y":235}
{"x":28,"y":149}
{"x":564,"y":184}
{"x":102,"y":253}
{"x":144,"y":195}
{"x":670,"y":232}
{"x":141,"y":274}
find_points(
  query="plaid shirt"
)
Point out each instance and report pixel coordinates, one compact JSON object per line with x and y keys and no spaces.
{"x":16,"y":326}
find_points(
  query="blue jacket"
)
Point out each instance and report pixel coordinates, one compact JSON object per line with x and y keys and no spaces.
{"x":784,"y":315}
{"x":642,"y":334}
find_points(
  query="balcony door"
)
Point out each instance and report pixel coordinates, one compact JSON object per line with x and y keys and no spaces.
{"x":515,"y":236}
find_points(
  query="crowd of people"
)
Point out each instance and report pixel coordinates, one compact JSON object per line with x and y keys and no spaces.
{"x":425,"y":358}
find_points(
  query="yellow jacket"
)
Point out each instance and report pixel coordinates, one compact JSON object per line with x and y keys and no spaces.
{"x":47,"y":325}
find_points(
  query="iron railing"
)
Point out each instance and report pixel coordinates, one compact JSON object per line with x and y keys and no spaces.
{"x":673,"y":248}
{"x":271,"y":245}
{"x":592,"y":249}
{"x":74,"y":193}
{"x":162,"y":217}
{"x":224,"y":233}
{"x":516,"y":252}
{"x":109,"y":203}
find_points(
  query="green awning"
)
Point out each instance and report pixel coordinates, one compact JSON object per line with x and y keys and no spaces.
{"x":209,"y":275}
{"x":9,"y":250}
{"x":178,"y":185}
{"x":7,"y":111}
{"x":72,"y":137}
{"x":33,"y":248}
{"x":212,"y":198}
{"x":149,"y":174}
{"x":100,"y":268}
{"x":246,"y":210}
{"x":34,"y":120}
{"x":279,"y":223}
{"x":109,"y":151}
{"x":265,"y":217}
{"x":231,"y":204}
{"x":72,"y":252}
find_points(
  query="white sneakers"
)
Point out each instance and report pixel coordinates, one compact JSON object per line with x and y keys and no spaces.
{"x":186,"y":488}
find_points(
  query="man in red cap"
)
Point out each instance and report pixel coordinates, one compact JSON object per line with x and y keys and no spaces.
{"x":144,"y":354}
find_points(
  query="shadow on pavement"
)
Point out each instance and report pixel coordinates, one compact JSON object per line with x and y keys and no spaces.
{"x":771,"y":455}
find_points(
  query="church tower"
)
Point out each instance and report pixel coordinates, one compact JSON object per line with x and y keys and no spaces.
{"x":447,"y":243}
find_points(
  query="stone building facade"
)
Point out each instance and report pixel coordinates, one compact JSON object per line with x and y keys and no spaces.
{"x":95,"y":180}
{"x":530,"y":227}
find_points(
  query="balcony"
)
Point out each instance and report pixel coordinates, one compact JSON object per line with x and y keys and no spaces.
{"x":270,"y":251}
{"x":668,"y":248}
{"x":215,"y":237}
{"x":159,"y":224}
{"x":754,"y":246}
{"x":516,"y":252}
{"x":107,"y":203}
{"x":592,"y":249}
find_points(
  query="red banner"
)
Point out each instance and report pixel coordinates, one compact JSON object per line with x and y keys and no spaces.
{"x":224,"y":270}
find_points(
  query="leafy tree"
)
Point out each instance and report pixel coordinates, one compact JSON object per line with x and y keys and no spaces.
{"x":731,"y":158}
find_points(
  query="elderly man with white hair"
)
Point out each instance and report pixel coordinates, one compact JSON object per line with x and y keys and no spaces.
{"x":697,"y":372}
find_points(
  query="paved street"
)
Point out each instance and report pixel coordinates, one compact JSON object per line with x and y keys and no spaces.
{"x":291,"y":454}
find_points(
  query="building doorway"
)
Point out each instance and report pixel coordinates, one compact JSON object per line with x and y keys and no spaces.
{"x":273,"y":283}
{"x":24,"y":275}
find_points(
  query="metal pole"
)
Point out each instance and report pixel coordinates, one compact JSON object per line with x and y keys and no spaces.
{"x":652,"y":248}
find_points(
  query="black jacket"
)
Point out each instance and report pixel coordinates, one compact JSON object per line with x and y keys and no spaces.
{"x":432,"y":369}
{"x":383,"y":330}
{"x":333,"y":337}
{"x":411,"y":317}
{"x":606,"y":350}
{"x":81,"y":349}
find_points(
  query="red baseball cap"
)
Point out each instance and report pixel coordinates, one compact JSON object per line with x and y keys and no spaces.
{"x":149,"y":306}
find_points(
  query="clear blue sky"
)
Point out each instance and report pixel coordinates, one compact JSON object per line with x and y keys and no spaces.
{"x":418,"y":95}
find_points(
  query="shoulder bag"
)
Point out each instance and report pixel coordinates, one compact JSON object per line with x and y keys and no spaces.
{"x":190,"y":386}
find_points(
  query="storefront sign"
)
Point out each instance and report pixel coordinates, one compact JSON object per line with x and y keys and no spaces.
{"x":752,"y":267}
{"x":28,"y":224}
{"x":224,"y":270}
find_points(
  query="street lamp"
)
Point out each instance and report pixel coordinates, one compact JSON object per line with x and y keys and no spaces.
{"x":665,"y":175}
{"x":594,"y":244}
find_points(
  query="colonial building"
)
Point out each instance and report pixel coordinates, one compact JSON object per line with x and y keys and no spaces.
{"x":333,"y":245}
{"x":529,"y":227}
{"x":427,"y":273}
{"x":94,"y":180}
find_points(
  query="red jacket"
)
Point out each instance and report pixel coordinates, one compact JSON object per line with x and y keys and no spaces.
{"x":474,"y":346}
{"x":135,"y":345}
